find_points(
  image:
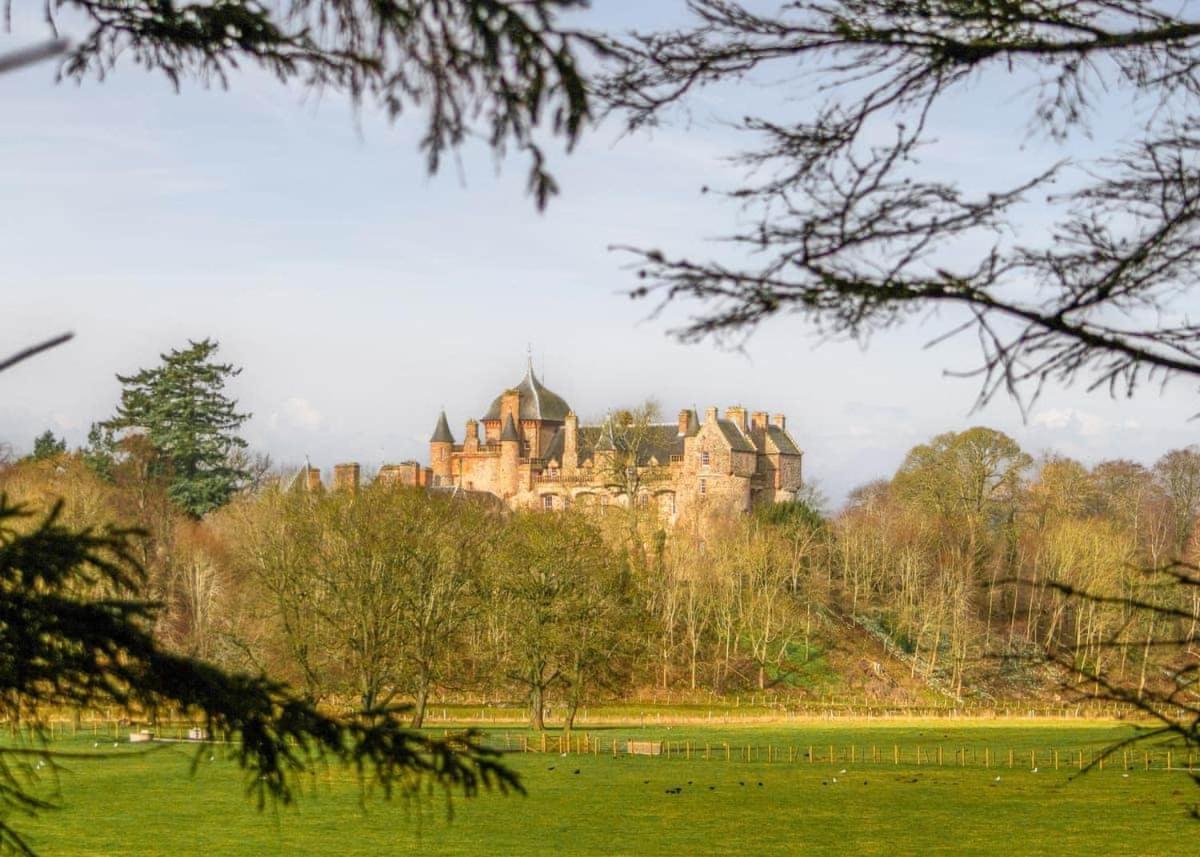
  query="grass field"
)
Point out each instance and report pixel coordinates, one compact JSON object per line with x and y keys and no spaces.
{"x":148,"y":804}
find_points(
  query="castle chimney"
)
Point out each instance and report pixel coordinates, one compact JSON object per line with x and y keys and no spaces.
{"x":737,"y":416}
{"x":685,"y":421}
{"x":312,"y":479}
{"x":710,"y":415}
{"x":779,"y":420}
{"x":471,"y":440}
{"x":758,"y":420}
{"x":570,"y":444}
{"x":345,"y":477}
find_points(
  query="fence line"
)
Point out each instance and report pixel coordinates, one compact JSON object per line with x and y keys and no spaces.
{"x":938,"y":755}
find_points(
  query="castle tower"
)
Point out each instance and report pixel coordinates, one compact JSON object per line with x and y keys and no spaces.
{"x":510,"y":453}
{"x":440,"y":447}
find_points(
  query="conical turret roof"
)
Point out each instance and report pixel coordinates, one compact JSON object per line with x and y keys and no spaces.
{"x":510,"y":430}
{"x":537,"y":402}
{"x":441,"y":433}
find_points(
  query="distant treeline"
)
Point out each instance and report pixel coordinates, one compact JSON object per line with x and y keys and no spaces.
{"x":965,"y":566}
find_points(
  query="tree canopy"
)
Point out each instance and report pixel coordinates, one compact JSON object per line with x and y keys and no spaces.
{"x":182,"y":409}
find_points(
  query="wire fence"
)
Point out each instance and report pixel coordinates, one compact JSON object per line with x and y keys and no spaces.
{"x":897,"y":755}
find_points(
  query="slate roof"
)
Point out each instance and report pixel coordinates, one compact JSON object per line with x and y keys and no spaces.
{"x":659,"y":442}
{"x":782,"y":441}
{"x":537,"y":402}
{"x":738,"y":442}
{"x":441,"y":434}
{"x":510,"y":430}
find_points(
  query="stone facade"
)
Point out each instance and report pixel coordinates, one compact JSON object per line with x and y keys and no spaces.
{"x":529,"y":450}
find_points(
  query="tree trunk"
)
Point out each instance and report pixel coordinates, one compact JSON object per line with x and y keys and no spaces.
{"x":419,"y":705}
{"x":537,"y":700}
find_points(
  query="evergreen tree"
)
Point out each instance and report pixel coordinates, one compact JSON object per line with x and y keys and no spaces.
{"x":182,"y":408}
{"x":46,"y":445}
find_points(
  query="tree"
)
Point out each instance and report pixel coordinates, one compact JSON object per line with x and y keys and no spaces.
{"x":46,"y":445}
{"x":74,"y":632}
{"x":370,"y":592}
{"x":558,"y":583}
{"x":183,"y":411}
{"x":852,"y":226}
{"x":504,"y":70}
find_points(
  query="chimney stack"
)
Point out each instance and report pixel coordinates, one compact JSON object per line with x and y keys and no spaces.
{"x":737,"y":416}
{"x":779,"y":420}
{"x":345,"y":477}
{"x":710,"y":415}
{"x":312,"y":479}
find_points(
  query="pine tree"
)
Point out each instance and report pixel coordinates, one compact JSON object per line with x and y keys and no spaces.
{"x":182,"y":408}
{"x":46,"y":445}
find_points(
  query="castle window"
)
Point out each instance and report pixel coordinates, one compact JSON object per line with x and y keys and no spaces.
{"x":643,"y":501}
{"x":703,"y":486}
{"x":525,"y":446}
{"x":704,"y":458}
{"x":547,"y":502}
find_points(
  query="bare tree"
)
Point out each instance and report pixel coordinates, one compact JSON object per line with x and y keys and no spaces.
{"x":853,"y":228}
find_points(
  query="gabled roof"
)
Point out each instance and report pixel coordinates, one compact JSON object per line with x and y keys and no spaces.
{"x":536,"y":403}
{"x":782,"y":441}
{"x":441,"y":433}
{"x":510,"y":430}
{"x":737,"y":441}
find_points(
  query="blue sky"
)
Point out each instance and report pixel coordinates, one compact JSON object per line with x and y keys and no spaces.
{"x":361,"y":295}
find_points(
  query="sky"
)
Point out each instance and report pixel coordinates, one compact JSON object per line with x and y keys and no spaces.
{"x":361,"y":295}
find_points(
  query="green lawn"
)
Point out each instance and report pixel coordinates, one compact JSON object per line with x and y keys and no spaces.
{"x":149,"y":804}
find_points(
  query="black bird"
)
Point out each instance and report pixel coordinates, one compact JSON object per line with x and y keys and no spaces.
{"x":551,"y":768}
{"x":577,"y":770}
{"x":645,"y":782}
{"x":760,"y":785}
{"x":689,"y":782}
{"x":741,"y":782}
{"x":824,"y":783}
{"x":712,"y":788}
{"x":864,"y":782}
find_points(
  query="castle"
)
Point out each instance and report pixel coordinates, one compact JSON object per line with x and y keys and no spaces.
{"x":529,"y":450}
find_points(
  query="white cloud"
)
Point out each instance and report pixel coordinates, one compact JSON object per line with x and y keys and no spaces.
{"x":296,"y":413}
{"x":1077,"y":422}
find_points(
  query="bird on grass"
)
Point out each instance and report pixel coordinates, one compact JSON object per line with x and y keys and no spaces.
{"x":996,"y":780}
{"x":1034,"y":771}
{"x":577,"y":770}
{"x":645,"y":782}
{"x":712,"y":788}
{"x":551,"y":768}
{"x":835,"y":779}
{"x":842,"y":771}
{"x":760,"y":785}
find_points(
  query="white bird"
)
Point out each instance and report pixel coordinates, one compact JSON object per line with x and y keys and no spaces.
{"x":835,"y":779}
{"x":842,"y":771}
{"x":114,"y":743}
{"x":1034,"y":771}
{"x":996,"y":780}
{"x":1125,"y":776}
{"x":95,"y":744}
